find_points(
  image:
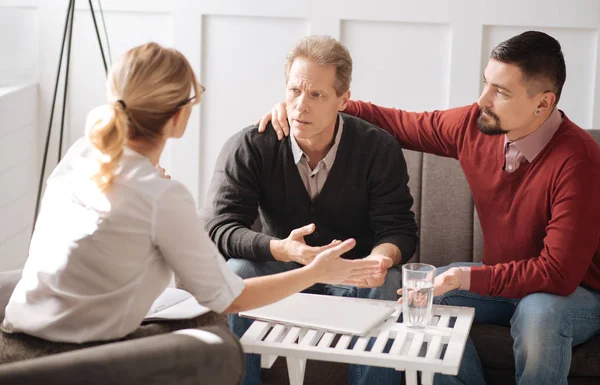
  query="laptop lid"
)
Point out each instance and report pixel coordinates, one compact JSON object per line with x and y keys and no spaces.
{"x":325,"y":312}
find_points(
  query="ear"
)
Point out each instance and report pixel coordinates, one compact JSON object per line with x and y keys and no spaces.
{"x":171,"y":124}
{"x":176,"y":116}
{"x":344,"y":100}
{"x":547,"y":101}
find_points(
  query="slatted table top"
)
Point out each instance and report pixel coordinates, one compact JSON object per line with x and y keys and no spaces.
{"x":437,"y":349}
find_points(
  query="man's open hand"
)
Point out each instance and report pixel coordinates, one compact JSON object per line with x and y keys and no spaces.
{"x":294,"y":248}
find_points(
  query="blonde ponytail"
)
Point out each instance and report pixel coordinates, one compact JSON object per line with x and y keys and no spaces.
{"x":145,"y":88}
{"x":108,"y":135}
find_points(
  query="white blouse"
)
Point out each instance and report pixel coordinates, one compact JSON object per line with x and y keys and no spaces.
{"x":98,"y":261}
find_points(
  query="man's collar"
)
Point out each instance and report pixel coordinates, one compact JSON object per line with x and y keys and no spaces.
{"x":298,"y":153}
{"x":531,"y":145}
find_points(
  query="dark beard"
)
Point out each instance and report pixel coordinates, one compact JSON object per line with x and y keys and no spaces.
{"x":490,"y":128}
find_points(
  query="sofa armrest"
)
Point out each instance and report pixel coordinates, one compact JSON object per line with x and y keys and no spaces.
{"x":210,"y":355}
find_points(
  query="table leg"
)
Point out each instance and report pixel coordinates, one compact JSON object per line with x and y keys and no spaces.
{"x":411,"y":377}
{"x":427,"y":378}
{"x":267,"y":361}
{"x":296,"y":368}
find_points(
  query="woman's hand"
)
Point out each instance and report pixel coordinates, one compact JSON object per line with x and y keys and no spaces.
{"x":329,"y":267}
{"x":278,"y":117}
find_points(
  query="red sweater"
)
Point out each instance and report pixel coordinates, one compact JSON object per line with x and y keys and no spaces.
{"x":541,"y":223}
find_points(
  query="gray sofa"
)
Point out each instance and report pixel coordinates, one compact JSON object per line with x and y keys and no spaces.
{"x":449,"y":232}
{"x":206,"y":353}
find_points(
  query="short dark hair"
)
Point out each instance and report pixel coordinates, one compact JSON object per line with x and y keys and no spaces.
{"x":538,"y":55}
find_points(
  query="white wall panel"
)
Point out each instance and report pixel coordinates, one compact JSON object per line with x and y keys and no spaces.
{"x":15,"y":230}
{"x":18,"y":172}
{"x":187,"y":38}
{"x":579,"y":48}
{"x":17,"y":147}
{"x":17,"y":107}
{"x":87,"y":81}
{"x":18,"y":181}
{"x":409,"y":54}
{"x":16,"y":216}
{"x":243,"y":71}
{"x":18,"y":44}
{"x":596,"y":85}
{"x":13,"y":251}
{"x":385,"y":63}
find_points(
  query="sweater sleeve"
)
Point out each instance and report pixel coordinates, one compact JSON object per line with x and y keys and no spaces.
{"x":235,"y":205}
{"x":390,"y":201}
{"x":571,"y":240}
{"x":437,"y":132}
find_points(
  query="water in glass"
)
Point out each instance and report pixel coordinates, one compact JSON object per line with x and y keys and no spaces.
{"x":417,"y":293}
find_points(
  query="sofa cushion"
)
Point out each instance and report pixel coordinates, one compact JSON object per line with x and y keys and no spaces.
{"x":19,"y":346}
{"x":414,"y":165}
{"x":446,"y":213}
{"x":194,"y":357}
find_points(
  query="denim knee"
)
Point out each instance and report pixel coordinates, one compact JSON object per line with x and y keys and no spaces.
{"x":446,"y":298}
{"x":540,"y":314}
{"x":387,"y":291}
{"x":243,"y":267}
{"x":541,"y":319}
{"x":393,"y":282}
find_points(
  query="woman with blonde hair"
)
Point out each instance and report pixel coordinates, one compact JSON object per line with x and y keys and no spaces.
{"x":112,"y":229}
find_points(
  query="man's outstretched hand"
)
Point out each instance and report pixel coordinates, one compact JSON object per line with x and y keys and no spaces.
{"x":294,"y":248}
{"x":443,"y":283}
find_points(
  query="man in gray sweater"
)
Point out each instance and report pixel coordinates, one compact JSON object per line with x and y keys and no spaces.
{"x":335,"y":177}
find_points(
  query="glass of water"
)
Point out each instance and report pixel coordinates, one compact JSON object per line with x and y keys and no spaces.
{"x":417,"y":294}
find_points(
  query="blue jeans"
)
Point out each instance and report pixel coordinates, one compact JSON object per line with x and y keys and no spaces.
{"x":357,"y":374}
{"x":544,"y":328}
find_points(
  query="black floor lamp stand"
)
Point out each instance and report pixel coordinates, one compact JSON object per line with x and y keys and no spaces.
{"x":66,"y":42}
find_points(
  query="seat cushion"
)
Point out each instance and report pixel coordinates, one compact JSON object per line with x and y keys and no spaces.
{"x":19,"y":346}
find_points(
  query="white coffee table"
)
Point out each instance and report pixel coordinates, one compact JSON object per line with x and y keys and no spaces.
{"x":412,"y":350}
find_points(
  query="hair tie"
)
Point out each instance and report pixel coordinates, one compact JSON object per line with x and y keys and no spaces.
{"x":122,"y":103}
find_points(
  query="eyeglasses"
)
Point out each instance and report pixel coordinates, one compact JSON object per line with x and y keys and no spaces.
{"x":202,"y":89}
{"x":181,"y":104}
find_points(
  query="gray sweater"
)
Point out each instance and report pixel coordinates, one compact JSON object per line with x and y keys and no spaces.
{"x":365,"y":196}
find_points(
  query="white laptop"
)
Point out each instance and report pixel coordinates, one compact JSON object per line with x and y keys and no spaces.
{"x":324,"y":312}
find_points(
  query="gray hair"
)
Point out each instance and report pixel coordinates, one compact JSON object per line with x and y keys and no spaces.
{"x":324,"y":50}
